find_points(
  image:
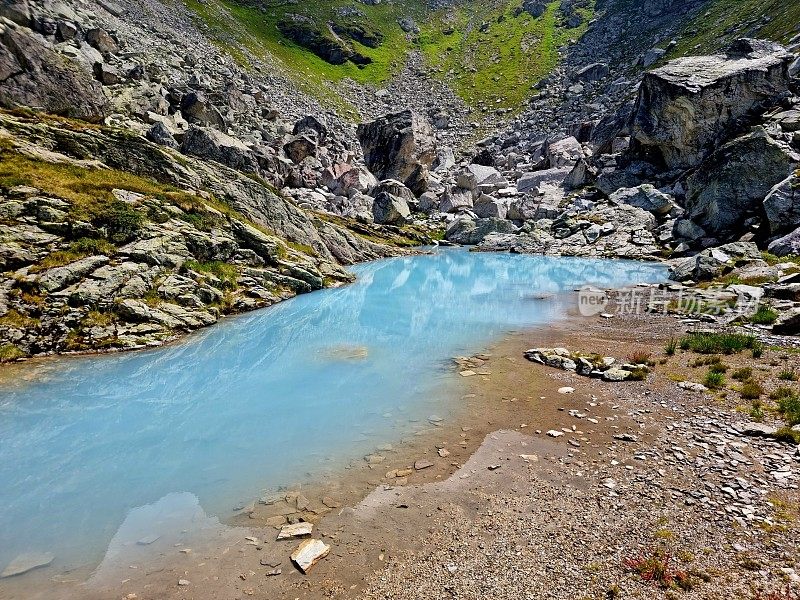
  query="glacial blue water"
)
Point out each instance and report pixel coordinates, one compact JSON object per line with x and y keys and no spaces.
{"x":260,"y":401}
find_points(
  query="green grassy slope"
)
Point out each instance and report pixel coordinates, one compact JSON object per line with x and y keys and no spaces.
{"x":495,"y":66}
{"x":725,"y":20}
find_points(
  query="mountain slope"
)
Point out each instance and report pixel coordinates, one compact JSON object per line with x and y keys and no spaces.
{"x":491,"y":53}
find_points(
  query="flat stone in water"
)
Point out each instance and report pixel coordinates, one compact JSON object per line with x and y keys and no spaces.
{"x":148,"y":539}
{"x":27,"y":562}
{"x":345,"y":352}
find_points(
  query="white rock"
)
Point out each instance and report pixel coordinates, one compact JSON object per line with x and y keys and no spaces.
{"x":566,"y":390}
{"x":692,"y":386}
{"x":554,"y":433}
{"x":309,"y":553}
{"x":295,"y":530}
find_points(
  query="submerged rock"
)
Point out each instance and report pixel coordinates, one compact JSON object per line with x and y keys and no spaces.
{"x":27,"y":562}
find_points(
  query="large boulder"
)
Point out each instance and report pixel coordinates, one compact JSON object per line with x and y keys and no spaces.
{"x":733,"y":182}
{"x":530,"y":182}
{"x":300,"y":147}
{"x":18,"y":11}
{"x":535,"y":8}
{"x":199,"y":109}
{"x":479,"y":177}
{"x":714,"y":262}
{"x":212,"y":144}
{"x":102,"y":41}
{"x":486,"y":206}
{"x":564,"y":153}
{"x":469,"y":232}
{"x":782,"y":205}
{"x":32,"y":75}
{"x":644,"y":196}
{"x":687,"y":107}
{"x":399,"y":146}
{"x":455,"y":200}
{"x":786,"y":245}
{"x":313,"y":126}
{"x":390,"y":210}
{"x":592,"y":72}
{"x":396,"y":189}
{"x":788,"y":322}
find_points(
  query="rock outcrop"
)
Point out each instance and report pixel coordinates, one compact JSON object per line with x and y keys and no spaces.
{"x":181,"y":242}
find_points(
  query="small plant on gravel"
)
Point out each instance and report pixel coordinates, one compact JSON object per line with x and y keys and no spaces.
{"x":751,"y":390}
{"x":638,"y":374}
{"x":655,"y":565}
{"x":639,"y":357}
{"x":717,"y":343}
{"x":718,"y":367}
{"x":714,"y":380}
{"x":788,"y":375}
{"x":703,"y":361}
{"x":757,"y":349}
{"x":757,"y":411}
{"x":743,"y":374}
{"x":787,"y":436}
{"x":671,"y":347}
{"x":788,"y":405}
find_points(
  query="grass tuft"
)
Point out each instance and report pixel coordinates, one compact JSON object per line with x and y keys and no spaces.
{"x":717,"y":343}
{"x":764,"y":316}
{"x":751,"y":390}
{"x":714,"y":380}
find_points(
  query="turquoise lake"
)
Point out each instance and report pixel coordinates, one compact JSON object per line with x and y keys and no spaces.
{"x":263,"y":400}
